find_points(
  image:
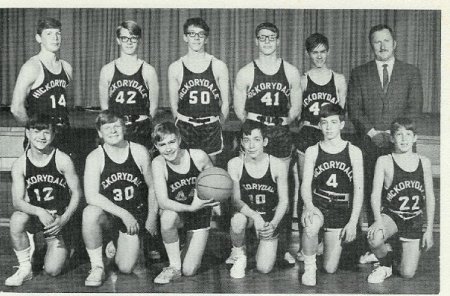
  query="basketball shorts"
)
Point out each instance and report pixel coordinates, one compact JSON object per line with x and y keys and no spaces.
{"x":335,"y":207}
{"x":307,"y":136}
{"x":207,"y":137}
{"x":407,"y":229}
{"x":140,"y":214}
{"x":140,"y":132}
{"x":200,"y":219}
{"x":34,"y":226}
{"x":280,"y":141}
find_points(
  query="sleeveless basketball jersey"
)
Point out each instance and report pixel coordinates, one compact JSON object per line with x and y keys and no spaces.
{"x":181,"y":186}
{"x":123,"y":183}
{"x":406,"y":195}
{"x":199,"y":94}
{"x":50,"y":96}
{"x":46,"y":186}
{"x":315,"y":96}
{"x":260,"y":194}
{"x":269,"y":95}
{"x":333,"y":172}
{"x":128,"y":94}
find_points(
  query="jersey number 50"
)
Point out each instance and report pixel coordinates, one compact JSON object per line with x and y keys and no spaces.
{"x":204,"y":97}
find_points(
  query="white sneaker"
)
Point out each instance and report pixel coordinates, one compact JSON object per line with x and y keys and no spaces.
{"x":17,"y":279}
{"x":238,"y":269}
{"x":235,"y":253}
{"x":167,"y":275}
{"x":110,"y":250}
{"x":288,"y":258}
{"x":96,"y":277}
{"x":367,"y":258}
{"x":379,"y":274}
{"x":309,"y":277}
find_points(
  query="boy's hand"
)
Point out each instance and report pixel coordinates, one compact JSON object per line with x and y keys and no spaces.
{"x":131,"y":224}
{"x":427,"y":240}
{"x":349,"y":232}
{"x":308,"y":214}
{"x":259,"y":222}
{"x":267,"y":231}
{"x":45,"y":217}
{"x":374,"y":228}
{"x":151,"y":225}
{"x":198,"y":203}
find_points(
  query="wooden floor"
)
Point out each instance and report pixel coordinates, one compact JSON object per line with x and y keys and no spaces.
{"x":214,"y":277}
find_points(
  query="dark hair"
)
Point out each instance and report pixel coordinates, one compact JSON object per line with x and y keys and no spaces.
{"x":315,"y":40}
{"x":40,"y":122}
{"x":248,"y":126}
{"x":380,"y":27}
{"x":405,"y":122}
{"x":196,"y":22}
{"x":162,"y":129}
{"x":131,"y":26}
{"x":47,"y":23}
{"x":327,"y":110}
{"x":107,"y":116}
{"x":267,"y":26}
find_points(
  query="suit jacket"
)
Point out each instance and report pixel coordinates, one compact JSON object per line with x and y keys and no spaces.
{"x":369,"y":107}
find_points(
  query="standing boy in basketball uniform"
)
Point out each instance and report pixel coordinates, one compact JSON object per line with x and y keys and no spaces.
{"x":267,"y":90}
{"x":41,"y":85}
{"x":175,"y":171}
{"x":119,"y":191}
{"x":406,"y":181}
{"x":46,"y":193}
{"x":332,"y":192}
{"x":320,"y":86}
{"x":129,"y":86}
{"x":260,"y":196}
{"x":198,"y":91}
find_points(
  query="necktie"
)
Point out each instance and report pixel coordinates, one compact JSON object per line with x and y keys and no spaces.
{"x":385,"y":78}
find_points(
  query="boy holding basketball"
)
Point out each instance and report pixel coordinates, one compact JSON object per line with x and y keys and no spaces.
{"x":260,"y":196}
{"x":332,"y":192}
{"x":175,"y":171}
{"x":406,"y":178}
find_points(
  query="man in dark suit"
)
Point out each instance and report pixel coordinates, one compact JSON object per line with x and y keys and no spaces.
{"x":380,"y":91}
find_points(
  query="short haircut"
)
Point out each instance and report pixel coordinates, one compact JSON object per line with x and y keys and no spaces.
{"x":196,"y":22}
{"x":248,"y":126}
{"x":380,"y":27}
{"x":405,"y":122}
{"x":47,"y":23}
{"x":163,"y":129}
{"x":315,"y":40}
{"x":107,"y":116}
{"x":131,"y":26}
{"x":40,"y":122}
{"x":329,"y":109}
{"x":267,"y":26}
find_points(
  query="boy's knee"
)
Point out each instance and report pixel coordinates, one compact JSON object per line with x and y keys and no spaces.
{"x":91,"y":214}
{"x":264,"y":268}
{"x":168,"y":220}
{"x":189,"y":270}
{"x":238,"y":223}
{"x":18,"y":222}
{"x":329,"y":268}
{"x":407,"y":274}
{"x":375,"y":243}
{"x":53,"y":270}
{"x":125,"y":267}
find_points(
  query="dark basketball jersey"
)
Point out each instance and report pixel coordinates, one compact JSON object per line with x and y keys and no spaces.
{"x":406,"y":195}
{"x":124,"y":183}
{"x":269,"y":95}
{"x":128,"y":94}
{"x":50,"y":96}
{"x":260,"y":194}
{"x":46,"y":186}
{"x":181,"y":186}
{"x":333,"y":172}
{"x":315,"y":96}
{"x":199,"y":94}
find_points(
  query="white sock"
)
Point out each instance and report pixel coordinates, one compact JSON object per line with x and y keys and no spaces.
{"x":96,"y":257}
{"x":173,"y":252}
{"x":24,"y":258}
{"x":309,"y":260}
{"x":238,"y":250}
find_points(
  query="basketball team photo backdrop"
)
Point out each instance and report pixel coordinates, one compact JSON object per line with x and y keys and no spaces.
{"x":88,"y":42}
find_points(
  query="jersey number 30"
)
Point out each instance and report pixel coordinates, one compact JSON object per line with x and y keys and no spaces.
{"x":128,"y":193}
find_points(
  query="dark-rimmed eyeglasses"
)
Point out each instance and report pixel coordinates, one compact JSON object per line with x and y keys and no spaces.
{"x":126,"y":39}
{"x":263,"y":38}
{"x":200,"y":35}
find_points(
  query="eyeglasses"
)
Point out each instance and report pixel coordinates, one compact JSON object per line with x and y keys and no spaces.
{"x":200,"y":35}
{"x":263,"y":38}
{"x":126,"y":39}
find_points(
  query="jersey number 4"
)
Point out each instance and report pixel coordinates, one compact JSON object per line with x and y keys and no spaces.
{"x":332,"y":181}
{"x":405,"y":200}
{"x":119,"y":194}
{"x":204,"y":97}
{"x":270,"y":100}
{"x":61,"y":101}
{"x":120,"y":98}
{"x":47,"y":191}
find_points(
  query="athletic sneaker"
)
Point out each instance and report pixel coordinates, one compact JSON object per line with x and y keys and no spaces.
{"x":17,"y":279}
{"x":309,"y":277}
{"x":379,"y":274}
{"x":367,"y":258}
{"x":96,"y":277}
{"x":235,"y":253}
{"x":288,"y":258}
{"x":167,"y":275}
{"x":110,"y":250}
{"x":238,"y":269}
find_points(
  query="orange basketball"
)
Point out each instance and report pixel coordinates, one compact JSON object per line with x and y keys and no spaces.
{"x":214,"y":183}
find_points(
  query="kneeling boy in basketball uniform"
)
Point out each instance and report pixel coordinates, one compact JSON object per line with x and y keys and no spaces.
{"x":407,"y":182}
{"x":119,"y":191}
{"x":175,"y":171}
{"x":46,"y":193}
{"x":260,"y":194}
{"x":332,"y":192}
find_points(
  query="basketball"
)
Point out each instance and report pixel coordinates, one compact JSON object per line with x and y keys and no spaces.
{"x":214,"y":183}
